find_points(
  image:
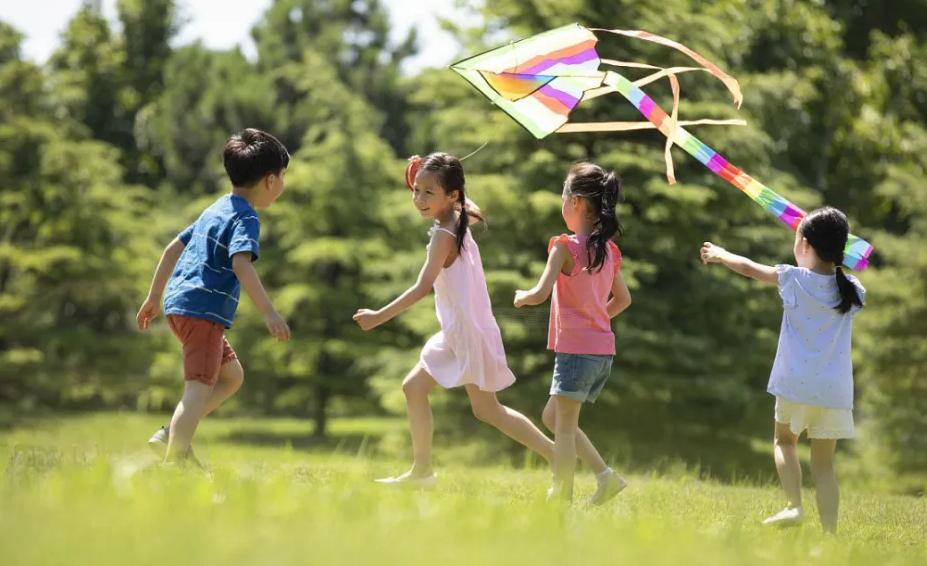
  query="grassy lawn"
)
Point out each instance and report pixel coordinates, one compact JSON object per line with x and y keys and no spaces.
{"x":83,"y":491}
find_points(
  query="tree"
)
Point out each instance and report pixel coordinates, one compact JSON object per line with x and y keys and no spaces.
{"x":87,"y":79}
{"x":209,"y":95}
{"x":148,"y":26}
{"x":354,"y":36}
{"x":68,"y":254}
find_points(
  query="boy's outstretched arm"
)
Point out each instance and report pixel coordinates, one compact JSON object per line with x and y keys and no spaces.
{"x":621,"y":296}
{"x":442,"y":244}
{"x":558,"y":257}
{"x":152,"y":305}
{"x":748,"y":268}
{"x":248,"y":277}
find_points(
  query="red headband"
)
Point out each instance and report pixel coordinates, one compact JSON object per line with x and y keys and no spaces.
{"x":412,"y":171}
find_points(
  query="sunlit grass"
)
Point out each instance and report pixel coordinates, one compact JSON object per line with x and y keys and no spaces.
{"x":83,"y":491}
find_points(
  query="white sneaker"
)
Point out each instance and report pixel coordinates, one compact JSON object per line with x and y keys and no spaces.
{"x":158,"y":442}
{"x":552,"y":494}
{"x":426,"y":482}
{"x":786,"y":518}
{"x":158,"y":445}
{"x":608,"y":489}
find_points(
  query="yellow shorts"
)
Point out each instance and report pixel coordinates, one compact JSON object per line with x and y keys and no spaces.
{"x":821,"y":422}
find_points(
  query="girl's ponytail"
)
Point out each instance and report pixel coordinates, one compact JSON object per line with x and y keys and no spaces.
{"x":602,"y":190}
{"x":849,"y":296}
{"x":463,"y":220}
{"x":827,"y":231}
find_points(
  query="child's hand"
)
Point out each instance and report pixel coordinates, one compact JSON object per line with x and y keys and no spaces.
{"x":368,"y":319}
{"x":149,"y":310}
{"x":277,"y":327}
{"x":712,"y":253}
{"x":522,"y":298}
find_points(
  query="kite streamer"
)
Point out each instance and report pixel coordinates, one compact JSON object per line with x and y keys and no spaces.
{"x":538,"y":81}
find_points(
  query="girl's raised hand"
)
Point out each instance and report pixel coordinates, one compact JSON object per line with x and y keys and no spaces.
{"x":711,"y":253}
{"x":368,"y":319}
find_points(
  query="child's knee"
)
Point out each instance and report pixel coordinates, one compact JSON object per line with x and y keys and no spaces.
{"x":485,"y":413}
{"x":410,"y":388}
{"x":821,"y":465}
{"x":196,"y":393}
{"x":549,"y":417}
{"x":784,"y":436}
{"x":232,"y":373}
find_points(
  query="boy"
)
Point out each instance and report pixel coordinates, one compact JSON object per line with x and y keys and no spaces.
{"x":215,"y":256}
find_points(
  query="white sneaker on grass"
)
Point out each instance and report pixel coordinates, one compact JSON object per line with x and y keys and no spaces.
{"x":158,"y":445}
{"x":158,"y":442}
{"x":788,"y":517}
{"x":610,"y":485}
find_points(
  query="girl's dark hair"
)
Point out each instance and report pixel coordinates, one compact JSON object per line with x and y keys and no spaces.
{"x":601,"y":189}
{"x":827,"y":231}
{"x":450,"y":176}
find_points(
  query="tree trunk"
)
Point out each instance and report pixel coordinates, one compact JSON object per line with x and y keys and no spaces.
{"x":320,"y":418}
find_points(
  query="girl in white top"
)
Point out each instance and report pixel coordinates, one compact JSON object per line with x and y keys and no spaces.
{"x":468,"y":350}
{"x":812,"y":377}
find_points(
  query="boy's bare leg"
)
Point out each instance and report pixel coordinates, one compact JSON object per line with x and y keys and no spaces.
{"x":231,"y":376}
{"x":186,"y":418}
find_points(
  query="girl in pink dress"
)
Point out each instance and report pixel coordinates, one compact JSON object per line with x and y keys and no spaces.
{"x":583,"y":268}
{"x":468,"y":350}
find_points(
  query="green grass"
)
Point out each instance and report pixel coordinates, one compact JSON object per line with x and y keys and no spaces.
{"x":79,"y":491}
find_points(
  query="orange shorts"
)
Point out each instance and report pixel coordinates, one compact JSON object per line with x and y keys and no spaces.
{"x":205,"y":349}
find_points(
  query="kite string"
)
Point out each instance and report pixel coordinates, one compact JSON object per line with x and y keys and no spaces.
{"x":475,"y":152}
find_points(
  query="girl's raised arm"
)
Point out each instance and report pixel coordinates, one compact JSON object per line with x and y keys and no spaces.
{"x":748,"y":268}
{"x":441,"y":247}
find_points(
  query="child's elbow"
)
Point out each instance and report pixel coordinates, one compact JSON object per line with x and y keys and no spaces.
{"x":422,"y":289}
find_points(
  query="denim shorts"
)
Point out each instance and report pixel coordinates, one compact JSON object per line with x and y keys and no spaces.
{"x":580,"y":377}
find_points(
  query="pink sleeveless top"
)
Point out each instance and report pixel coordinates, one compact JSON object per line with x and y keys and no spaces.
{"x":579,"y":322}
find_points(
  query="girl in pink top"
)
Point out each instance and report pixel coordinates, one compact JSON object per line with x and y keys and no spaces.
{"x":582,"y":269}
{"x":468,"y":350}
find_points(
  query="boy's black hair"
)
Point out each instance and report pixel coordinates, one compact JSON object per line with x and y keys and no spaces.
{"x":251,"y":154}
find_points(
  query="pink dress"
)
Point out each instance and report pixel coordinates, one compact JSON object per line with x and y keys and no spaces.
{"x":468,"y":349}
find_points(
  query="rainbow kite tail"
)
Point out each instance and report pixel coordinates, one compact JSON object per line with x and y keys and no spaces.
{"x":856,"y":253}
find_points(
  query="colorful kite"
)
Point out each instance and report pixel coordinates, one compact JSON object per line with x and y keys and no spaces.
{"x":539,"y":80}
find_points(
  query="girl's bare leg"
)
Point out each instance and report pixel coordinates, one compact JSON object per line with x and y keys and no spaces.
{"x":416,"y":387}
{"x":487,"y":408}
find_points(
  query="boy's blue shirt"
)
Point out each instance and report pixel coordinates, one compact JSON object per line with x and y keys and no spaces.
{"x":203,"y":284}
